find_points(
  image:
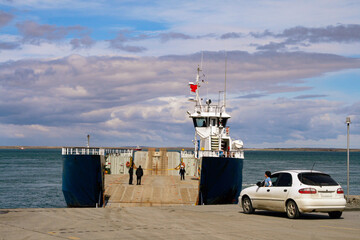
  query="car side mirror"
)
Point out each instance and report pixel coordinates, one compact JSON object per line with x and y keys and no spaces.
{"x":258,"y":184}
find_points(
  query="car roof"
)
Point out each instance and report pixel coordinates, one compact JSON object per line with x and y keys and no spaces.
{"x":296,"y":171}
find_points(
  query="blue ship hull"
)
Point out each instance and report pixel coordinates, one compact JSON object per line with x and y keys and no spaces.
{"x":83,"y":180}
{"x":220,"y":180}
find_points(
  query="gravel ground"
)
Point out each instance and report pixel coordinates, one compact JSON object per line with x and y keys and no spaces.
{"x":353,"y":203}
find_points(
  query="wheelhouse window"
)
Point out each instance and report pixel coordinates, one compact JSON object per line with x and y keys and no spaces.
{"x":200,"y":122}
{"x":223,"y":122}
{"x":317,"y":179}
{"x":213,"y":122}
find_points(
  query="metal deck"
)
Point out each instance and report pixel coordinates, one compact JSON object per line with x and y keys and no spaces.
{"x":155,"y":191}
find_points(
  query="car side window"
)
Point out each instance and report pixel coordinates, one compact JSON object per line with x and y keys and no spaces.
{"x":274,"y":178}
{"x":285,"y":180}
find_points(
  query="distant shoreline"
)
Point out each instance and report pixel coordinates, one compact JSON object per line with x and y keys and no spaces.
{"x":187,"y":148}
{"x":303,"y":149}
{"x":28,"y":147}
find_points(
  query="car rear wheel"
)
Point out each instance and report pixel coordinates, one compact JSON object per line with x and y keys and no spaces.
{"x":292,"y":210}
{"x":247,"y":206}
{"x":336,"y":214}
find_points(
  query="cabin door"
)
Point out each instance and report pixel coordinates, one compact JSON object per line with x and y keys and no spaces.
{"x":225,"y":146}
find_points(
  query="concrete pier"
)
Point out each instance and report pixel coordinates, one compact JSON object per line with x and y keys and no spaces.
{"x":172,"y":222}
{"x":155,"y":190}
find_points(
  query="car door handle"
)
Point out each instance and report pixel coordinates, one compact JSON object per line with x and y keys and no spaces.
{"x":285,"y":190}
{"x":268,"y":190}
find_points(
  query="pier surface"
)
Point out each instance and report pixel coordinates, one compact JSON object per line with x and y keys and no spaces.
{"x":155,"y":190}
{"x":172,"y":222}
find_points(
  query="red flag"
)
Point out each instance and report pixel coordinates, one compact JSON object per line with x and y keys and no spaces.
{"x":193,"y":87}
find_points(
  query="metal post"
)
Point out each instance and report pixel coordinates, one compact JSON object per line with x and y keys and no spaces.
{"x":348,"y":161}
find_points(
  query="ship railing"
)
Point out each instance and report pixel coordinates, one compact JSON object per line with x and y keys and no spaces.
{"x":211,"y":153}
{"x":115,"y":151}
{"x":82,"y":151}
{"x":94,"y":151}
{"x":187,"y":152}
{"x":212,"y":109}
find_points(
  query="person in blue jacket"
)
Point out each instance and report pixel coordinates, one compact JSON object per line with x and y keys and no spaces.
{"x":268,"y":182}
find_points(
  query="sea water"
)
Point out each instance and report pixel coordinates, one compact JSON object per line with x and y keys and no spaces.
{"x":332,"y":163}
{"x":32,"y":178}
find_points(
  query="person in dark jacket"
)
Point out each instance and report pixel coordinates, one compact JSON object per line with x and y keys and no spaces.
{"x":131,"y":171}
{"x":182,"y":173}
{"x":139,"y":174}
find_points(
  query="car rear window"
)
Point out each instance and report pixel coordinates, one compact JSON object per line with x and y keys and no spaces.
{"x":317,"y":179}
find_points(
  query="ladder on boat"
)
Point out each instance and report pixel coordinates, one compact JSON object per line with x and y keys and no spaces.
{"x":214,"y":143}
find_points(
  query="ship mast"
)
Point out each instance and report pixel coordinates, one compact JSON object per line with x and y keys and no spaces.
{"x":198,"y":99}
{"x":225,"y":81}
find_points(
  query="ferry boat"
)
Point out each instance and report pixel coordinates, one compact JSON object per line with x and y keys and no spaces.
{"x":219,"y":157}
{"x":217,"y":160}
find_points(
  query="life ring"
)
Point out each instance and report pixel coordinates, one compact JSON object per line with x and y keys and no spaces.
{"x":127,"y":164}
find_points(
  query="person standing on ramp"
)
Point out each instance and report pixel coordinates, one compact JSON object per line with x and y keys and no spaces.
{"x":139,"y":174}
{"x":131,"y":171}
{"x":182,"y":172}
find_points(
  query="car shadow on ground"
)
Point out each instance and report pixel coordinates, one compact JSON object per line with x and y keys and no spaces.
{"x":303,"y":216}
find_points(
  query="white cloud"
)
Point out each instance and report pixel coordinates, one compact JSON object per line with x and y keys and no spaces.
{"x":68,"y":85}
{"x":19,"y":135}
{"x":37,"y":127}
{"x":77,"y":91}
{"x":114,"y":123}
{"x":189,"y":19}
{"x":141,"y":101}
{"x":49,"y":4}
{"x":23,"y":131}
{"x":286,"y":122}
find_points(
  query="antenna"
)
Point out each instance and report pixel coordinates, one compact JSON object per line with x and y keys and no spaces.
{"x":225,"y":81}
{"x":198,"y":99}
{"x":203,"y":75}
{"x":313,"y":166}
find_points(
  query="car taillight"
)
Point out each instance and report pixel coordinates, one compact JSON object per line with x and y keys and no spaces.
{"x":339,"y":191}
{"x":307,"y":191}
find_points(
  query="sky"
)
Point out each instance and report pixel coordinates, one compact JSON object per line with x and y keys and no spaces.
{"x":119,"y":71}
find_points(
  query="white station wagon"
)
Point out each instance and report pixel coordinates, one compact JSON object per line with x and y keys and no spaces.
{"x":295,"y":192}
